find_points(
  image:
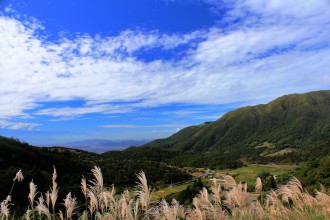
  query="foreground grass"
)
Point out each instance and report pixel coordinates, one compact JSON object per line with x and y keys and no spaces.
{"x":288,"y":201}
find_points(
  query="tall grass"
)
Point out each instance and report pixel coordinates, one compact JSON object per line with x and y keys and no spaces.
{"x":221,"y":201}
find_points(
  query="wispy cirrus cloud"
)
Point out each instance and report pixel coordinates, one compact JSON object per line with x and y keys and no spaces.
{"x":18,"y":125}
{"x":268,"y":49}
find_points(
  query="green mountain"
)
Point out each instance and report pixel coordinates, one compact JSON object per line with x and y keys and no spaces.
{"x":37,"y":163}
{"x":290,"y":127}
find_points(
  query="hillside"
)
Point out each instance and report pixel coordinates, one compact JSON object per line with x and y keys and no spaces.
{"x":37,"y":163}
{"x":289,"y":127}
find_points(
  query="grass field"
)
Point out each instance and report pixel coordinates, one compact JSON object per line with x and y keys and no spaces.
{"x":168,"y":191}
{"x":246,"y":174}
{"x":249,"y":173}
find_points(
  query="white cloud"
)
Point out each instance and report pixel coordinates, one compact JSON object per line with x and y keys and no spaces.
{"x":69,"y":111}
{"x":277,"y":47}
{"x":17,"y":125}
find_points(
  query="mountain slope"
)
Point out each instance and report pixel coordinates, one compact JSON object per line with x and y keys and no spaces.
{"x":37,"y":163}
{"x":290,"y":125}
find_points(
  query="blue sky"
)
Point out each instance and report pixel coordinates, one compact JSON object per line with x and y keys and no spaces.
{"x":75,"y":70}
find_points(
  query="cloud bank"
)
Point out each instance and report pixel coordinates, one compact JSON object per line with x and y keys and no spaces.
{"x":257,"y":51}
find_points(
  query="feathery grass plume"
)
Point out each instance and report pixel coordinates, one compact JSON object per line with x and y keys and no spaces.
{"x":70,"y":205}
{"x":105,"y":200}
{"x":168,"y":212}
{"x":292,"y":191}
{"x":203,"y":207}
{"x":229,"y":182}
{"x":4,"y":208}
{"x":324,"y":201}
{"x":216,"y":192}
{"x":136,"y":210}
{"x":42,"y":208}
{"x":125,"y":206}
{"x":196,"y":214}
{"x":236,"y":197}
{"x":47,"y":195}
{"x":84,"y":187}
{"x":253,"y":211}
{"x":32,"y":194}
{"x":61,"y":215}
{"x":97,"y":186}
{"x":54,"y":191}
{"x":19,"y":178}
{"x":143,"y":191}
{"x":258,"y":185}
{"x":28,"y":214}
{"x":93,"y":202}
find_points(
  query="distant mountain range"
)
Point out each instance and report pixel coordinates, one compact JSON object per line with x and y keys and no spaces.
{"x":102,"y":145}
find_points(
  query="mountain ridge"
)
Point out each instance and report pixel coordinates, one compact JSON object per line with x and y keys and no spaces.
{"x":296,"y":121}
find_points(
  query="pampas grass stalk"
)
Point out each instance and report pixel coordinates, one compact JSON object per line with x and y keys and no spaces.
{"x":42,"y":208}
{"x":32,"y":194}
{"x":143,"y":192}
{"x":19,"y":178}
{"x":4,"y":208}
{"x":70,"y":204}
{"x":54,"y":192}
{"x":258,"y":185}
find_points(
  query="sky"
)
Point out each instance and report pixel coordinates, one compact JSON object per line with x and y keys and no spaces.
{"x":144,"y":69}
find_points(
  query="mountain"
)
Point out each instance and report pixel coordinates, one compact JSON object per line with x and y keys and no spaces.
{"x":38,"y":163}
{"x":290,"y":127}
{"x":101,"y":145}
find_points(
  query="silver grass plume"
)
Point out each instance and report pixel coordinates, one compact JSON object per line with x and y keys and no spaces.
{"x":42,"y":208}
{"x":143,"y":191}
{"x":258,"y":185}
{"x":4,"y":208}
{"x":70,"y":205}
{"x":54,"y":190}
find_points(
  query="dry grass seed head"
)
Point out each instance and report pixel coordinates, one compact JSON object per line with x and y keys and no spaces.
{"x":97,"y":183}
{"x":70,"y":205}
{"x":258,"y":185}
{"x":229,"y":182}
{"x":32,"y":194}
{"x":84,"y":187}
{"x":143,"y":190}
{"x":42,"y":209}
{"x":4,"y":208}
{"x":19,"y":176}
{"x":216,"y":193}
{"x":324,"y":201}
{"x":28,"y":214}
{"x":237,"y":197}
{"x":54,"y":190}
{"x":93,"y":202}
